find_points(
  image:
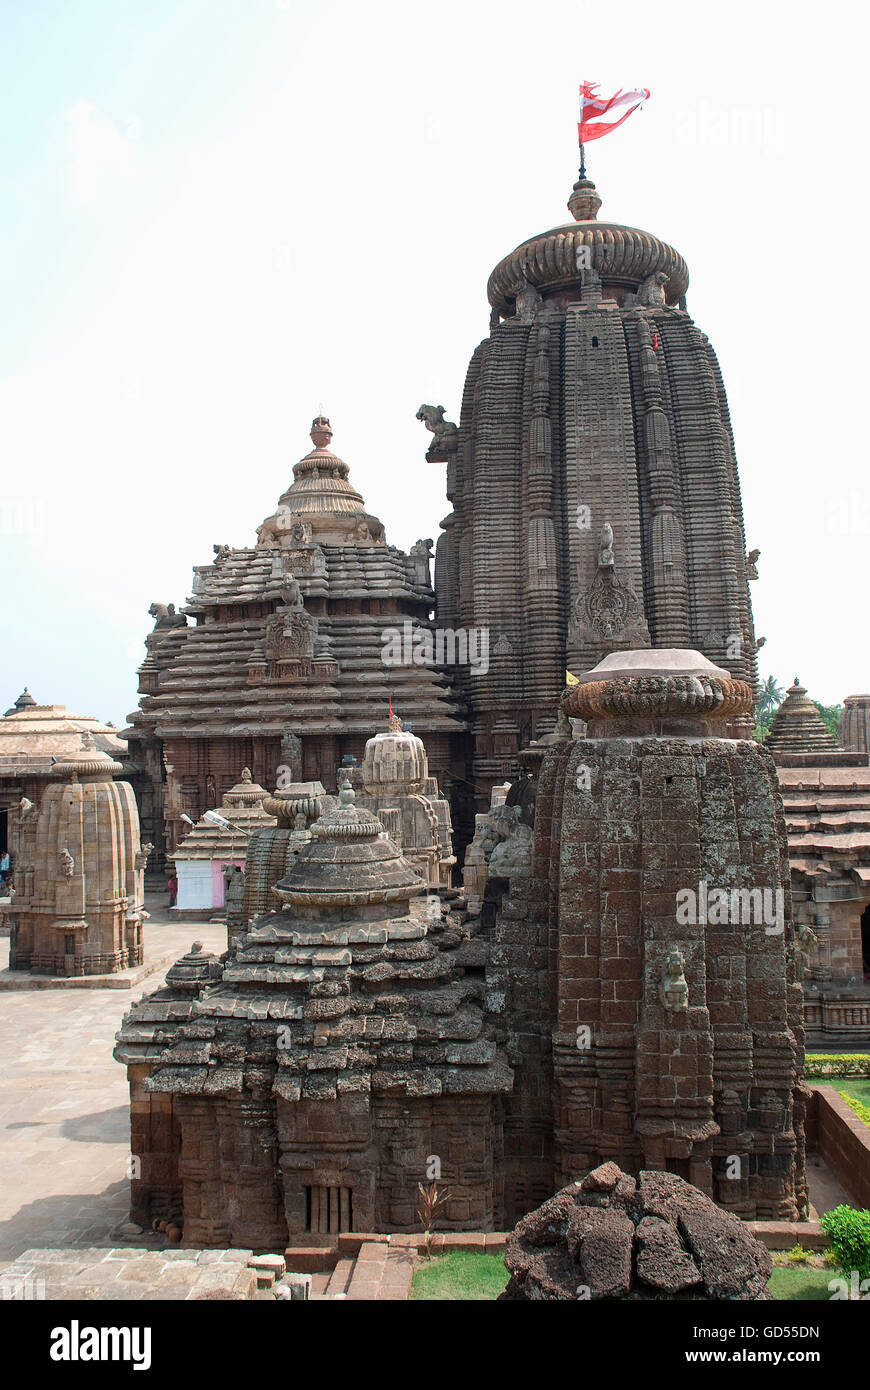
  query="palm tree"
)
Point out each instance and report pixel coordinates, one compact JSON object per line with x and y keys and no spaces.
{"x":770,"y":696}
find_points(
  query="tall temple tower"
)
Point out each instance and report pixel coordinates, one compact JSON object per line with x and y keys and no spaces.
{"x":593,"y":480}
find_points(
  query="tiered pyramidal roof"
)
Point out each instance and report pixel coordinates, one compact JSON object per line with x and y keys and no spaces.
{"x":797,"y":726}
{"x":278,"y":656}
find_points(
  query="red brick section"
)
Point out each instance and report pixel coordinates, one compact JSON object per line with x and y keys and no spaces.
{"x":843,"y":1141}
{"x":782,"y":1235}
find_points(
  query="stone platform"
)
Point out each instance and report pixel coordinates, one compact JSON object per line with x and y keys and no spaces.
{"x":135,"y":1274}
{"x":165,"y":940}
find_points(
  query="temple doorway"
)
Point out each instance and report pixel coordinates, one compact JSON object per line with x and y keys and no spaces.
{"x":865,"y":940}
{"x":4,"y":831}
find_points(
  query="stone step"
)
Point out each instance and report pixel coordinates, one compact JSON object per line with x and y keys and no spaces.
{"x":368,"y":1271}
{"x":340,"y":1278}
{"x":382,"y":1272}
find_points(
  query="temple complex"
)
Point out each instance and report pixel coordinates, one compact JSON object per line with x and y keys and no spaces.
{"x":826,"y":794}
{"x":277,"y":661}
{"x":356,"y":1030}
{"x":596,"y":503}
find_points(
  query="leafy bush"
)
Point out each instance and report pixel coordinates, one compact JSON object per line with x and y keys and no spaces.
{"x":836,"y":1064}
{"x":849,"y":1233}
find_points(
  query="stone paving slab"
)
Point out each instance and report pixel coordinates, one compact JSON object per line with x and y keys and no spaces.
{"x":100,"y":1274}
{"x":64,"y":1109}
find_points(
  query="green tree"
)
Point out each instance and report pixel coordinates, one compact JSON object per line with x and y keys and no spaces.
{"x":770,"y":697}
{"x":831,"y":714}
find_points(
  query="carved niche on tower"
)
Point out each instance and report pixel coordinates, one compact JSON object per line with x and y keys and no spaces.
{"x":289,"y":638}
{"x":608,"y":613}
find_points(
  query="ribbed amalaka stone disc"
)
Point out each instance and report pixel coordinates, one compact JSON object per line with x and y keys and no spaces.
{"x":349,"y":863}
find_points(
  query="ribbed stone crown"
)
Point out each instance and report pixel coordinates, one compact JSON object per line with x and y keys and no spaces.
{"x":623,"y":257}
{"x":663,"y":692}
{"x":349,"y":864}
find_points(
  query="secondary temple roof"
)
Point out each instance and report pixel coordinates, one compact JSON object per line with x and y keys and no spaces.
{"x":242,"y":806}
{"x":33,"y":737}
{"x":825,"y":793}
{"x":288,"y":632}
{"x":371,"y":989}
{"x":797,"y":726}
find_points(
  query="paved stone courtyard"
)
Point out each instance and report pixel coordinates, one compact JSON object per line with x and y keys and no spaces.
{"x":64,"y":1103}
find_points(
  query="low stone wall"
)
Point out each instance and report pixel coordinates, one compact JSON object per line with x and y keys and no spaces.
{"x":843,"y":1141}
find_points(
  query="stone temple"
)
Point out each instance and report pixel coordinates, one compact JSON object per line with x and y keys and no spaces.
{"x":625,"y":986}
{"x":826,"y":796}
{"x":276,"y":662}
{"x":596,"y":503}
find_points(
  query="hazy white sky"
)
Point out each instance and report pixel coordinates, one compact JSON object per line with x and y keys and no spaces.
{"x":220,"y":215}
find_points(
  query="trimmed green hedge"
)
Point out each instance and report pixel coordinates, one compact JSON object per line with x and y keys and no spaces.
{"x":861,"y":1110}
{"x":819,"y":1064}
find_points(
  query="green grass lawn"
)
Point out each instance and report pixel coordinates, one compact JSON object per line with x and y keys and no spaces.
{"x":469,"y":1274}
{"x":856,"y":1086}
{"x":800,"y":1283}
{"x":465,"y":1274}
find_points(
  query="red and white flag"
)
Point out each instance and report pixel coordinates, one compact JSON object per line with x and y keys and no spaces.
{"x":592,"y":106}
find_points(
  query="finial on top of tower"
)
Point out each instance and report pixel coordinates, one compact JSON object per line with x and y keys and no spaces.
{"x":321,"y":432}
{"x":584,"y":202}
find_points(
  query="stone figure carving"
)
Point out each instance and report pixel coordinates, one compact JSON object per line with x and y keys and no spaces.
{"x":87,"y":741}
{"x":759,"y":643}
{"x":445,"y":432}
{"x":290,"y":635}
{"x":673,"y":990}
{"x":605,"y":547}
{"x":291,"y":753}
{"x":806,"y":940}
{"x":751,"y":569}
{"x":142,"y":855}
{"x":221,"y":553}
{"x":609,"y":610}
{"x":529,"y":300}
{"x":291,"y":594}
{"x":67,"y":863}
{"x":25,"y":808}
{"x":651,"y":294}
{"x":421,"y":551}
{"x":235,"y":881}
{"x":165,"y":616}
{"x":513,"y":851}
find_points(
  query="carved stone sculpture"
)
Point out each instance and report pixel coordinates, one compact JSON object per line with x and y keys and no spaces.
{"x":651,"y":294}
